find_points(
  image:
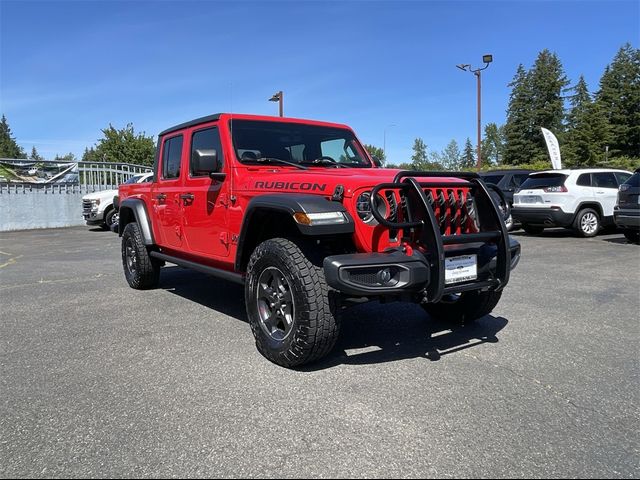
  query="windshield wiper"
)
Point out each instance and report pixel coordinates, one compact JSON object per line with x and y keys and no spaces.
{"x":326,"y":161}
{"x":279,"y":160}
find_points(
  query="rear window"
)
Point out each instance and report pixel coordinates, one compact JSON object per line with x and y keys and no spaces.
{"x":495,"y":179}
{"x":544,"y":180}
{"x":634,"y":181}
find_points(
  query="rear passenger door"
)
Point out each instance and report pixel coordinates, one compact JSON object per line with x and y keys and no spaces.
{"x":205,"y":200}
{"x":606,"y":190}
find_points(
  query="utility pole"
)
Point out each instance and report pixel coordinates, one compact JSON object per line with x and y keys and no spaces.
{"x":487,"y":59}
{"x":279,"y":97}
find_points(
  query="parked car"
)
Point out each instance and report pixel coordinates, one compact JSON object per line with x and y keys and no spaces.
{"x":298,"y":212}
{"x":508,"y":181}
{"x":97,"y":207}
{"x":581,"y":199}
{"x":626,"y":212}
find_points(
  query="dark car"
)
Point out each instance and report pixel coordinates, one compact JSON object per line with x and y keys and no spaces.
{"x":626,"y":213}
{"x":508,"y":181}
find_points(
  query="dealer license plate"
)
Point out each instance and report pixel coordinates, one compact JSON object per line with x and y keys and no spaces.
{"x":460,"y":269}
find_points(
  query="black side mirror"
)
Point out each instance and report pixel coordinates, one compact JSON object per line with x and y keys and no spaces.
{"x":376,"y":161}
{"x":206,"y":162}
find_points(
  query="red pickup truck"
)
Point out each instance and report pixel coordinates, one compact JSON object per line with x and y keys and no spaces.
{"x":298,"y":212}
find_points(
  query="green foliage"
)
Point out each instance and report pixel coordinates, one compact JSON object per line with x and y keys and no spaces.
{"x":518,"y":130}
{"x":123,"y":146}
{"x":8,"y":146}
{"x":376,"y":152}
{"x":419,"y":157}
{"x":492,"y":145}
{"x":619,"y":99}
{"x":69,"y":158}
{"x":35,"y":155}
{"x":468,"y":160}
{"x":451,"y":157}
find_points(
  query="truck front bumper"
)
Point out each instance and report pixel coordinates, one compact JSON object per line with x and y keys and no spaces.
{"x":394,"y":273}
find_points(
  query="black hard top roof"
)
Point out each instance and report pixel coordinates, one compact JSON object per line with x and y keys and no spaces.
{"x":191,"y":123}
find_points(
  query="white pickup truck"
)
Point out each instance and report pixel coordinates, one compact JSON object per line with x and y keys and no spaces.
{"x":97,"y":207}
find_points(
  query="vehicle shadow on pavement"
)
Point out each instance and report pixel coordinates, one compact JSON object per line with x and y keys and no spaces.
{"x":375,"y":333}
{"x":219,"y":295}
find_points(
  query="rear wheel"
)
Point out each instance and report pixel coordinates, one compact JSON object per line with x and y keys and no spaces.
{"x":532,"y":229}
{"x":465,"y":307}
{"x":140,"y":269}
{"x":288,"y":306}
{"x":109,"y":219}
{"x":632,"y":235}
{"x":587,"y":223}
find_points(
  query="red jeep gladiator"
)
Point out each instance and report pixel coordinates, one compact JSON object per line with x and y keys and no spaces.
{"x":298,"y":212}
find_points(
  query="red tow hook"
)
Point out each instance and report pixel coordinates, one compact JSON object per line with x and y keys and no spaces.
{"x":408,"y":249}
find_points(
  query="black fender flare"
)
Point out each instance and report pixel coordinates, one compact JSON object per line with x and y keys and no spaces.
{"x":290,"y":204}
{"x":134,"y":209}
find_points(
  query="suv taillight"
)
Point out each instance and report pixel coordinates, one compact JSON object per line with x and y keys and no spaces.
{"x":561,"y":188}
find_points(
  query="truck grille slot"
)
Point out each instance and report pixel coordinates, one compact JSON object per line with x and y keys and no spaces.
{"x":86,"y":207}
{"x":453,"y":210}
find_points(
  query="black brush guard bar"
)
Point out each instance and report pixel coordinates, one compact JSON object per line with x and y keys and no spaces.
{"x":422,"y":221}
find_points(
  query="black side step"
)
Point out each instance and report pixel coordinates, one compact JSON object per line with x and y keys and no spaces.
{"x":216,"y":272}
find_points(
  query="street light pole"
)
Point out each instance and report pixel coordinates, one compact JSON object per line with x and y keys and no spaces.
{"x":279,"y":97}
{"x":487,"y":59}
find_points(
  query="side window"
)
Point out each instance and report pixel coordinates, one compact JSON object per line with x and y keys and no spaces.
{"x":605,"y":180}
{"x":208,"y":139}
{"x":584,"y":180}
{"x":171,"y":157}
{"x":517,"y":180}
{"x":622,"y":177}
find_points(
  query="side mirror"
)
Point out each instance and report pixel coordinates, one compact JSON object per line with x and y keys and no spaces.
{"x":376,"y":161}
{"x":206,"y":162}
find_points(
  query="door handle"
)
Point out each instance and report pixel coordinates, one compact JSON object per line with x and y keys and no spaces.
{"x":187,"y":196}
{"x":161,"y":197}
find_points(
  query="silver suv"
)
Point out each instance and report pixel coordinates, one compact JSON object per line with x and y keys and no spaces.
{"x":580,"y":199}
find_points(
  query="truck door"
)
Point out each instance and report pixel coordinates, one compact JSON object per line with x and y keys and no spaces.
{"x":165,"y":195}
{"x":205,"y":201}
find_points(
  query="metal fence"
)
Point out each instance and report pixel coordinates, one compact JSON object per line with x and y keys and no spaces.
{"x":95,"y":176}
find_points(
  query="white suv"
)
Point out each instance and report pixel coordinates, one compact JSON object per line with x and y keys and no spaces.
{"x":97,"y":208}
{"x":579,"y":199}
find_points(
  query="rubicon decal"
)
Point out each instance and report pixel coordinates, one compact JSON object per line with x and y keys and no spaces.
{"x":306,"y":186}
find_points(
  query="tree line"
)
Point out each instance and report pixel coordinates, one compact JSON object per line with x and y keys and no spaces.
{"x":600,"y":128}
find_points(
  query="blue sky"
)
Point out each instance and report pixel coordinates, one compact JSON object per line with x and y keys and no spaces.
{"x":67,"y":69}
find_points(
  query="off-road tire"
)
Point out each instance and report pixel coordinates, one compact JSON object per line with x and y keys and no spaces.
{"x":532,"y":229}
{"x":584,"y":221}
{"x":632,"y":235}
{"x":465,"y":308}
{"x":144,"y":271}
{"x":108,"y":219}
{"x":314,"y":329}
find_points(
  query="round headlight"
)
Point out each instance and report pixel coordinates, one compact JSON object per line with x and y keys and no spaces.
{"x":363,"y":208}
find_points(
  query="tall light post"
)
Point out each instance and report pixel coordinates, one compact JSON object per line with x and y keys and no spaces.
{"x":279,"y":97}
{"x":384,"y":141}
{"x":487,"y":59}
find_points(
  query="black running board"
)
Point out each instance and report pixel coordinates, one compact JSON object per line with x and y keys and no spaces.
{"x":216,"y":272}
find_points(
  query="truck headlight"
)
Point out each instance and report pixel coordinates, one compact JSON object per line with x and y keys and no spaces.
{"x":363,"y":208}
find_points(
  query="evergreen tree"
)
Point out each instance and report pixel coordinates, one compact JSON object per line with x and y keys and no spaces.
{"x":35,"y":155}
{"x":619,"y":100}
{"x":8,"y":146}
{"x":90,"y":155}
{"x":518,"y":129}
{"x":419,"y":158}
{"x":69,"y":157}
{"x":548,"y":82}
{"x":450,"y":159}
{"x":493,"y":145}
{"x":122,"y":145}
{"x":468,"y":160}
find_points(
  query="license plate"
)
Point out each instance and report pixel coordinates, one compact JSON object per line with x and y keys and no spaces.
{"x":530,"y":199}
{"x":460,"y":269}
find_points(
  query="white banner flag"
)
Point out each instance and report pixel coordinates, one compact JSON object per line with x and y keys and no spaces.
{"x":553,"y":147}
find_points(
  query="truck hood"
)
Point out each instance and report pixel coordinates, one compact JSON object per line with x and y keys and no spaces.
{"x":315,"y":180}
{"x":102,"y":196}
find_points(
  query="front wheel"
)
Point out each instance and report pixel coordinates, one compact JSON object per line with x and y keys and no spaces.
{"x":140,"y":269}
{"x":465,"y":307}
{"x":587,"y":223}
{"x":109,"y":218}
{"x":288,"y":306}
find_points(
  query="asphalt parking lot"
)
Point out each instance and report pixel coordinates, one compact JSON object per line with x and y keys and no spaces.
{"x":100,"y":380}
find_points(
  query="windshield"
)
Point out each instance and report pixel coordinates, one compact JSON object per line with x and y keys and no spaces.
{"x":543,"y":180}
{"x":258,"y":141}
{"x":495,"y":179}
{"x":134,"y":179}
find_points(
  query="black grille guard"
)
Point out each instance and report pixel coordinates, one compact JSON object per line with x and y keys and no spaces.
{"x":422,"y":222}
